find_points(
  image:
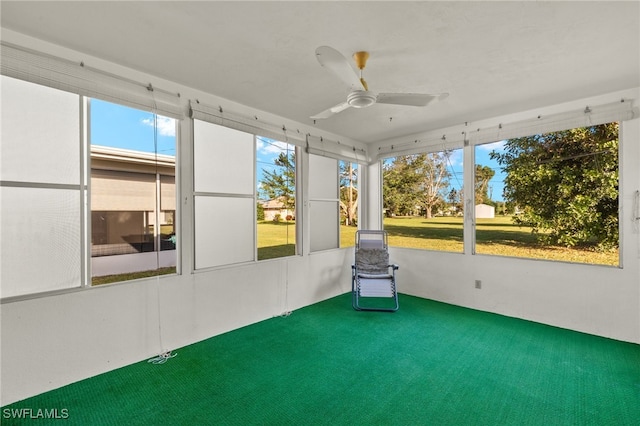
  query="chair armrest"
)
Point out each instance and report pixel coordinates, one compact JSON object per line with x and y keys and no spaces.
{"x":394,"y":266}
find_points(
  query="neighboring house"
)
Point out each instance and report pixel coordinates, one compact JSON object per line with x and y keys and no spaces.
{"x":276,"y":207}
{"x":131,"y":191}
{"x":485,"y":211}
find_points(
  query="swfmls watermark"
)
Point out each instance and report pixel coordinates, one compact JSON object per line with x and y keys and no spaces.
{"x":35,"y":413}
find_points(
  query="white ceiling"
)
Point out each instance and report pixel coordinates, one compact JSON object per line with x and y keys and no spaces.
{"x":493,"y":58}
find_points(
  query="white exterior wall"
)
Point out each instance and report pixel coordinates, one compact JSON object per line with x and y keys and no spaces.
{"x":52,"y":341}
{"x":484,"y":211}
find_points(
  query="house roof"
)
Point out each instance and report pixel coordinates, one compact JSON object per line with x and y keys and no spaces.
{"x":131,"y":157}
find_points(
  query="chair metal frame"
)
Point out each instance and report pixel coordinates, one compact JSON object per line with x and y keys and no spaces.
{"x":367,"y":240}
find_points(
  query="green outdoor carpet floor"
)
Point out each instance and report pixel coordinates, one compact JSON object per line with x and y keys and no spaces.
{"x":427,"y":364}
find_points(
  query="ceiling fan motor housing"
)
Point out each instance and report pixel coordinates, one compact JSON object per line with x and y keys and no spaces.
{"x":361,"y":98}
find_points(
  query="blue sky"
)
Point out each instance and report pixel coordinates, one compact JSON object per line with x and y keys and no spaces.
{"x":119,"y":126}
{"x":267,"y":150}
{"x":496,"y":185}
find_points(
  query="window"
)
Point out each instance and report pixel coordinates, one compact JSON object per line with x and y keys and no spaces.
{"x":550,"y":196}
{"x":348,"y":202}
{"x":41,"y":191}
{"x":72,"y":212}
{"x":422,"y":200}
{"x":245,"y":196}
{"x":276,"y":198}
{"x":333,"y":202}
{"x":224,"y":198}
{"x":133,"y":202}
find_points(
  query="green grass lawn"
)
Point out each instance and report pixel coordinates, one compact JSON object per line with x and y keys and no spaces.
{"x":277,"y":239}
{"x":498,"y":236}
{"x":348,"y":236}
{"x":441,"y":233}
{"x":107,"y":279}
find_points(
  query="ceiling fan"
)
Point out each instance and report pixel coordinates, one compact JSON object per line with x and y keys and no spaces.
{"x":360,"y":96}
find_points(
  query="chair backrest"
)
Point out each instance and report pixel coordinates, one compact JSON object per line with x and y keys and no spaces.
{"x":371,"y":239}
{"x":372,"y":254}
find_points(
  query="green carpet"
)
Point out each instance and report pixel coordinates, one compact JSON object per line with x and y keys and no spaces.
{"x":427,"y":364}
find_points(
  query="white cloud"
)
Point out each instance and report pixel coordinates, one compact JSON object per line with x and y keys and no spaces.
{"x":455,"y":159}
{"x":270,"y":146}
{"x":166,"y":126}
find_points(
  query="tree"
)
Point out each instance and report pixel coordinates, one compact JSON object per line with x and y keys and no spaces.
{"x":435,"y":178}
{"x":348,"y":192}
{"x":454,"y":198}
{"x":259,"y":211}
{"x":565,"y":184}
{"x":399,"y":185}
{"x":415,"y":181}
{"x":483,"y":176}
{"x":279,"y":183}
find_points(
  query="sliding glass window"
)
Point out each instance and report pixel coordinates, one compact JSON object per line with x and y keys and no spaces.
{"x":87,"y":191}
{"x":551,"y":196}
{"x":349,"y":201}
{"x":276,"y":198}
{"x":133,"y":206}
{"x":333,"y":202}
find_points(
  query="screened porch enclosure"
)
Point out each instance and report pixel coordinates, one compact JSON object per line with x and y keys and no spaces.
{"x":178,"y":162}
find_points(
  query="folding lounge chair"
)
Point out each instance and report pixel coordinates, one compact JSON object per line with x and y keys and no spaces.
{"x":372,"y":277}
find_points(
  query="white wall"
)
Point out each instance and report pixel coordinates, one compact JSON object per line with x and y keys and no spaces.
{"x":591,"y":299}
{"x":52,"y":341}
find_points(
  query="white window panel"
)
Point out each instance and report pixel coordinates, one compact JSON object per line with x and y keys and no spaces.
{"x":223,"y":159}
{"x":323,"y":177}
{"x":224,"y":231}
{"x":41,"y":243}
{"x":40,"y":134}
{"x":324,"y":225}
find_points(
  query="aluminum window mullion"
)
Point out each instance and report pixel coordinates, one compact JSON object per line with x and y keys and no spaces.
{"x":85,"y":196}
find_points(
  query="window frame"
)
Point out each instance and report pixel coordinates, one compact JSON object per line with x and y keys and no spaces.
{"x":297,"y":153}
{"x":73,"y":186}
{"x":357,"y":173}
{"x":557,"y":259}
{"x":84,"y":190}
{"x":453,"y":149}
{"x":155,"y":179}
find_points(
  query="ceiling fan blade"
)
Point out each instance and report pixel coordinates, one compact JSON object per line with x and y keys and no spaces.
{"x":411,"y":99}
{"x":335,"y":62}
{"x":331,"y":111}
